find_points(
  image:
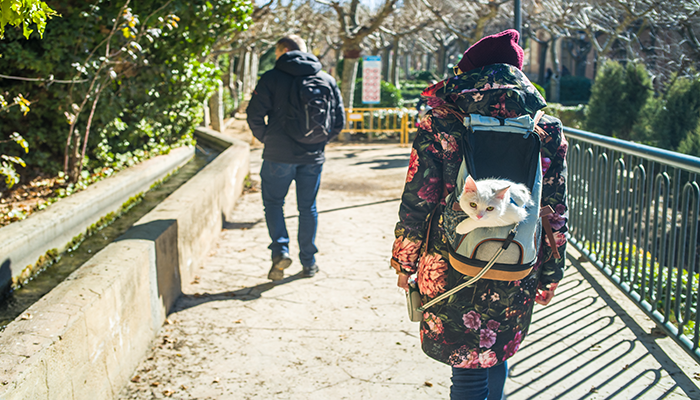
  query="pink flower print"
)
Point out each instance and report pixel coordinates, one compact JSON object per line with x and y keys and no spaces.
{"x":559,"y":239}
{"x":431,"y":191}
{"x":563,"y":147}
{"x":556,"y":220}
{"x":434,"y":323}
{"x":483,"y":296}
{"x":488,"y":359}
{"x":495,"y":297}
{"x":426,"y":123}
{"x":546,"y":162}
{"x":435,"y":102}
{"x":472,"y":320}
{"x":439,"y":112}
{"x":432,"y":275}
{"x":406,"y":251}
{"x":477,"y":97}
{"x":487,"y":338}
{"x":412,"y":165}
{"x":560,"y":209}
{"x":493,"y":325}
{"x":448,"y":142}
{"x":500,"y":109}
{"x":512,"y":346}
{"x":464,"y":358}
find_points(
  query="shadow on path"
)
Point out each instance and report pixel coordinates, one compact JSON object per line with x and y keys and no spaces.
{"x":245,"y":294}
{"x":590,"y":353}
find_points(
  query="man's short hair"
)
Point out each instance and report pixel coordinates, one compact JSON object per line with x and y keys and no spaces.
{"x":291,"y":43}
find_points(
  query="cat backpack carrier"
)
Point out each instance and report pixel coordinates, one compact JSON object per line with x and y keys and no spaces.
{"x":502,"y":149}
{"x":311,"y":107}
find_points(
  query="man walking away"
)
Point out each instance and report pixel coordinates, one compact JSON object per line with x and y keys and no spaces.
{"x":304,"y":111}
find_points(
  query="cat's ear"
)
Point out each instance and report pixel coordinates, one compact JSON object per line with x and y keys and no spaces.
{"x":501,"y":194}
{"x":469,"y":185}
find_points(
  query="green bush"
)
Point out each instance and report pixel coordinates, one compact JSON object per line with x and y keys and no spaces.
{"x":390,"y":95}
{"x":617,"y":98}
{"x":152,"y":95}
{"x":424,"y":76}
{"x":574,"y":89}
{"x":570,"y":116}
{"x":341,"y":65}
{"x":674,"y":126}
{"x":540,"y":89}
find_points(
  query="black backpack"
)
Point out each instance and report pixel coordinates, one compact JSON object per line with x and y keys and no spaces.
{"x":310,"y":115}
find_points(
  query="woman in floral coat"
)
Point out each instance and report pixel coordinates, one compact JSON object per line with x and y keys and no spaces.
{"x":479,"y":328}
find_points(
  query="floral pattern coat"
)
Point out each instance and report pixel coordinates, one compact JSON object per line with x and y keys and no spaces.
{"x":483,"y":325}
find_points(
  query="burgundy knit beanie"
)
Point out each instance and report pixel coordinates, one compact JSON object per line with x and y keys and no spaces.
{"x":499,"y":48}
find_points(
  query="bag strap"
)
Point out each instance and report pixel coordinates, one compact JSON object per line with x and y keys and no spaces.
{"x":545,"y":211}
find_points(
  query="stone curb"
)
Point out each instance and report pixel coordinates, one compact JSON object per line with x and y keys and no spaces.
{"x":85,"y":338}
{"x":24,"y":243}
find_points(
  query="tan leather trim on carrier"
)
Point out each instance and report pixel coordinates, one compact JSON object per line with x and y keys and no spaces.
{"x":493,"y":274}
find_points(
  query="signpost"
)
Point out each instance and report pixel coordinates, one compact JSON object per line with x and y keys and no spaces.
{"x":371,"y":79}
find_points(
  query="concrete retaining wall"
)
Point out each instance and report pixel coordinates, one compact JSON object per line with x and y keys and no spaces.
{"x":24,"y":243}
{"x":85,"y":338}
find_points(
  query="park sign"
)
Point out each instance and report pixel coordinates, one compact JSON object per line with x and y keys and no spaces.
{"x":371,"y":79}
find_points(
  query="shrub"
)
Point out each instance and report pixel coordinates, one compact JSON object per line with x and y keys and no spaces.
{"x":425,"y":76}
{"x":570,"y":116}
{"x":540,"y":89}
{"x":574,"y":89}
{"x":617,"y":98}
{"x":390,"y":95}
{"x":675,"y":124}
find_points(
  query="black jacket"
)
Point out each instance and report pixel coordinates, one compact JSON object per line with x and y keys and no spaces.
{"x":271,"y":97}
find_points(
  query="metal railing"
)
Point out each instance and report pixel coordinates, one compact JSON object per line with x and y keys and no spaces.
{"x":377,"y":122}
{"x":634,"y":212}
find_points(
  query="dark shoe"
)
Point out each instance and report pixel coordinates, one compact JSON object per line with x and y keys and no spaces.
{"x":310,"y":271}
{"x":279,"y":264}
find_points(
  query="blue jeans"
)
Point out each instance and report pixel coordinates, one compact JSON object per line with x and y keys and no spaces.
{"x":276,"y":178}
{"x":478,"y":384}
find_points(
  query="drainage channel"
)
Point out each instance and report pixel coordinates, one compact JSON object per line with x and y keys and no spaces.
{"x":18,"y":301}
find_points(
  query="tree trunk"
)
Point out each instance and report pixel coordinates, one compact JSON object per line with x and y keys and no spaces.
{"x":386,"y":64}
{"x":347,"y":89}
{"x":554,"y":86}
{"x":216,"y":108}
{"x":440,"y":58}
{"x":542,"y":61}
{"x":394,"y":79}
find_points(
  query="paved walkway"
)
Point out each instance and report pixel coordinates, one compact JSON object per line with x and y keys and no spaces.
{"x":344,"y":333}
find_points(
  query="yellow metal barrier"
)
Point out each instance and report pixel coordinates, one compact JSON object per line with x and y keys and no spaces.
{"x":373,"y":121}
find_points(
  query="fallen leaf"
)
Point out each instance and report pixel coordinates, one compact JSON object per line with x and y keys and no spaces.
{"x":593,"y":390}
{"x":238,"y":321}
{"x":428,"y":384}
{"x":216,"y":380}
{"x":136,"y":379}
{"x":26,"y":316}
{"x":168,"y":392}
{"x":156,"y":383}
{"x":183,"y":387}
{"x":195,"y":280}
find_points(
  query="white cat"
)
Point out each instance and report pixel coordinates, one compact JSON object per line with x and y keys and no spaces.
{"x":488,"y":203}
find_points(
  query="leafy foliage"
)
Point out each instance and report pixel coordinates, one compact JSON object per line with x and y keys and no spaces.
{"x":570,"y":116}
{"x":146,"y":61}
{"x":574,"y":89}
{"x":24,"y":13}
{"x":617,"y":98}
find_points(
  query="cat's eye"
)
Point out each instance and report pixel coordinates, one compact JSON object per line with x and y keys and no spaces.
{"x":473,"y":205}
{"x":490,"y":208}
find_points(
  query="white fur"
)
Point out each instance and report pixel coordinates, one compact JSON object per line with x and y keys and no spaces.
{"x":494,"y":194}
